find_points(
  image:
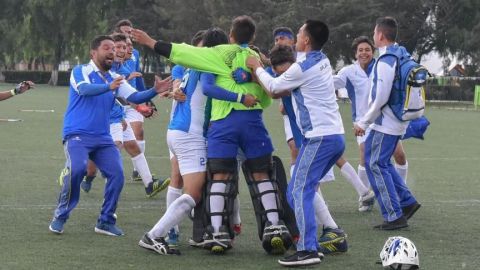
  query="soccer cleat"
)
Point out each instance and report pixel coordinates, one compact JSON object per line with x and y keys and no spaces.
{"x":136,"y":176}
{"x":219,"y":242}
{"x":156,"y":186}
{"x":409,"y":211}
{"x":366,"y":202}
{"x":158,"y":245}
{"x":276,"y":238}
{"x":108,"y":229}
{"x":301,"y":258}
{"x":237,"y":228}
{"x":393,"y":225}
{"x":332,"y":241}
{"x":86,"y":184}
{"x":56,"y":226}
{"x":172,"y":238}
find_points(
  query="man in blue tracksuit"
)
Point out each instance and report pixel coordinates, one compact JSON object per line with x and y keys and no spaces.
{"x":86,"y":133}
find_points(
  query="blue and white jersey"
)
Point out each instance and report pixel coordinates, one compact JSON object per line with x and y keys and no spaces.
{"x":118,"y":111}
{"x":314,"y":100}
{"x":133,"y":64}
{"x":380,"y":117}
{"x":90,"y":114}
{"x":191,"y":115}
{"x":358,"y":83}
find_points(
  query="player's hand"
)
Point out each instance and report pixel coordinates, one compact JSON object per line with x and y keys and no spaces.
{"x":116,"y":83}
{"x":179,"y":95}
{"x":134,"y":74}
{"x":163,"y":85}
{"x":240,"y":76}
{"x":281,"y":108}
{"x":23,"y":87}
{"x":145,"y":110}
{"x":253,"y":63}
{"x":358,"y":130}
{"x":249,"y":100}
{"x":142,"y":38}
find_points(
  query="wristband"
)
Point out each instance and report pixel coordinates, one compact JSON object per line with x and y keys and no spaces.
{"x":239,"y":98}
{"x":13,"y":92}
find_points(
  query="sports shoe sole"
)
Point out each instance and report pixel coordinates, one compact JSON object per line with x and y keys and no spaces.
{"x":54,"y":231}
{"x":218,"y":250}
{"x":100,"y":231}
{"x":277,"y":246}
{"x":336,"y":240}
{"x":301,"y":263}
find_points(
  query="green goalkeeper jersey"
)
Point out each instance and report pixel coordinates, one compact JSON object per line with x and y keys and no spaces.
{"x":221,"y":60}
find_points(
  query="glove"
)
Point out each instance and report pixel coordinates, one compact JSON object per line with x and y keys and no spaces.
{"x":147,"y":110}
{"x":21,"y":87}
{"x":240,"y":76}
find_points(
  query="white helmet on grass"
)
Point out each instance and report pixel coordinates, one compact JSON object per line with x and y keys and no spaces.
{"x":399,"y":253}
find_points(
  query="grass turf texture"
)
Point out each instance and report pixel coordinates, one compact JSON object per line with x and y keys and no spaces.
{"x":443,"y":175}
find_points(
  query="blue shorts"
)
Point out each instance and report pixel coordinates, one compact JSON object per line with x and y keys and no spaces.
{"x":240,"y":129}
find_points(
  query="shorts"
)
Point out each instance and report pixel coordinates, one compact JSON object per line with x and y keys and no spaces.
{"x":288,"y":128}
{"x":190,"y":150}
{"x":120,"y":135}
{"x":242,"y":129}
{"x":132,"y":115}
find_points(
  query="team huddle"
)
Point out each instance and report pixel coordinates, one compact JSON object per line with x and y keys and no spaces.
{"x":220,"y":86}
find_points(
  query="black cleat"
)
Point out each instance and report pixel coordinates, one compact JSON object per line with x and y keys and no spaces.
{"x":392,"y":225}
{"x":409,"y":211}
{"x":301,"y":258}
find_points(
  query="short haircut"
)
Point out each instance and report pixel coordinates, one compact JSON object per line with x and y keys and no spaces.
{"x":124,"y":22}
{"x":283,"y":30}
{"x":98,"y":40}
{"x":119,"y":37}
{"x":281,"y":54}
{"x":318,"y":33}
{"x":388,"y":26}
{"x":361,"y":39}
{"x":197,"y":37}
{"x":214,"y":36}
{"x":243,"y":29}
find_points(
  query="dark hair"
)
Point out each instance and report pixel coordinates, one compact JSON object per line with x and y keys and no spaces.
{"x":318,"y":33}
{"x":243,"y":29}
{"x":119,"y":37}
{"x":281,"y":54}
{"x":282,"y":29}
{"x":214,"y":36}
{"x":98,"y":40}
{"x":124,"y":22}
{"x":361,"y":39}
{"x":197,"y":37}
{"x":388,"y":26}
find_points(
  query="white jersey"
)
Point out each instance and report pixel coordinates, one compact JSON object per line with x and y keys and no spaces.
{"x":358,"y":83}
{"x":314,"y":101}
{"x":380,"y":117}
{"x":189,"y":116}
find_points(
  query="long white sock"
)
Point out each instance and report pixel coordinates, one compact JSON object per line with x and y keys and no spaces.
{"x":236,"y":211}
{"x":172,"y":195}
{"x":141,"y":145}
{"x":322,"y":214}
{"x":269,"y":201}
{"x":402,"y":171}
{"x":217,"y":205}
{"x":362,"y":173}
{"x":174,"y":214}
{"x":351,"y":175}
{"x":140,"y":163}
{"x":292,"y":167}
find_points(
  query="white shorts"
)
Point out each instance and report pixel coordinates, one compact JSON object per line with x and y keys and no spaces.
{"x":362,"y":139}
{"x":288,"y":128}
{"x":120,"y":135}
{"x":190,"y":150}
{"x":132,"y":115}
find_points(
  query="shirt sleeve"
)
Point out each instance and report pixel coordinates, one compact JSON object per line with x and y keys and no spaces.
{"x":210,"y":89}
{"x":200,"y":58}
{"x":381,"y":89}
{"x":141,"y":97}
{"x":288,"y":81}
{"x":340,"y":80}
{"x":177,"y":72}
{"x":78,"y":77}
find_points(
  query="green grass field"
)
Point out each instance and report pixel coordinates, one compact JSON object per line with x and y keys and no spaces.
{"x":444,"y":175}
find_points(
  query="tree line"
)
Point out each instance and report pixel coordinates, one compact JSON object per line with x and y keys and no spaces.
{"x":41,"y":32}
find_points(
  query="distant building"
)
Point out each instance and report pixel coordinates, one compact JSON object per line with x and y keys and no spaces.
{"x":457,"y":71}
